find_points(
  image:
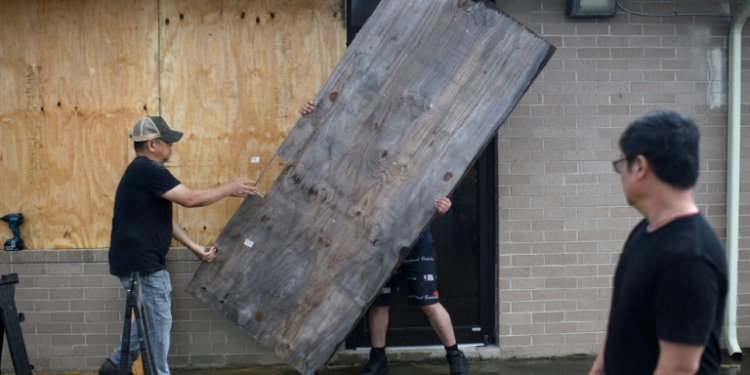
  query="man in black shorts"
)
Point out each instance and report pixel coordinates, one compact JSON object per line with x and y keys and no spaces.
{"x":420,"y":270}
{"x":670,"y":284}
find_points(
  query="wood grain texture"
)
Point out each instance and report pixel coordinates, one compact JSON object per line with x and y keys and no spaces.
{"x":78,"y":74}
{"x":414,"y":100}
{"x":75,"y":75}
{"x":234,"y":76}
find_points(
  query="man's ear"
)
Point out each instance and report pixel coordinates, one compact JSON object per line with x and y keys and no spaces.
{"x":641,"y":168}
{"x":151,"y":145}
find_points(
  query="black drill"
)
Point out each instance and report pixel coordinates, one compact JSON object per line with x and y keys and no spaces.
{"x":14,"y":220}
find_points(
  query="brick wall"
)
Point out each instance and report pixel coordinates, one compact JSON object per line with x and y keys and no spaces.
{"x":563,"y":218}
{"x":74,"y":312}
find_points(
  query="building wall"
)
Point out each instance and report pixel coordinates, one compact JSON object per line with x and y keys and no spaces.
{"x":74,"y":311}
{"x":78,"y":74}
{"x":563,"y":218}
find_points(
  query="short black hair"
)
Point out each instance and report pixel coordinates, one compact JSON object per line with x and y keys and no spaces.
{"x":139,"y":146}
{"x":669,"y":141}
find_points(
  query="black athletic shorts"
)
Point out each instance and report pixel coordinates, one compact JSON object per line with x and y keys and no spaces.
{"x":420,"y":270}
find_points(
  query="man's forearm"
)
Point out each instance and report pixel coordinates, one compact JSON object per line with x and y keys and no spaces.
{"x":180,"y":235}
{"x":598,"y":367}
{"x":204,"y":197}
{"x":204,"y":254}
{"x":187,"y":197}
{"x":678,"y":359}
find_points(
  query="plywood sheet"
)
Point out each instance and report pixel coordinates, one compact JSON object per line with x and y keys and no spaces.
{"x":414,"y":100}
{"x":234,"y":75}
{"x":75,"y":74}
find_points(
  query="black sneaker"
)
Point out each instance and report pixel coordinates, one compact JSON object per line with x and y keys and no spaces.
{"x":109,"y":368}
{"x":378,"y":364}
{"x":458,"y":363}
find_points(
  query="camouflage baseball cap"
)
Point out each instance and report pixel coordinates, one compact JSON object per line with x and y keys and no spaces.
{"x":153,"y":127}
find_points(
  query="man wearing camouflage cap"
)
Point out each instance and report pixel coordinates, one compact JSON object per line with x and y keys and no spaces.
{"x":142,"y":229}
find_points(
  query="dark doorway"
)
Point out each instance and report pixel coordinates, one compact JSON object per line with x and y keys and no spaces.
{"x":466,"y":240}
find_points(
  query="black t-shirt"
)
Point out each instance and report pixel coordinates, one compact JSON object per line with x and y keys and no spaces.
{"x":142,"y":220}
{"x":669,"y":285}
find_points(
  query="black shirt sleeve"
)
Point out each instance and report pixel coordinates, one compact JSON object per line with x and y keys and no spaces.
{"x":685,"y":296}
{"x":157,"y":179}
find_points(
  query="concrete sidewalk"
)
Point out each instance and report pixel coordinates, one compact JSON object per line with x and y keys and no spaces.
{"x":566,"y":366}
{"x":506,"y":367}
{"x":578,"y":365}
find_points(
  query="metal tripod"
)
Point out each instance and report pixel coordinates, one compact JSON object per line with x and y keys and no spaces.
{"x":135,"y":306}
{"x":10,"y":325}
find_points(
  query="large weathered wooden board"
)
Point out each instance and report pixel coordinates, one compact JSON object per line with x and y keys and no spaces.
{"x":414,"y":100}
{"x":75,"y":75}
{"x":234,"y":76}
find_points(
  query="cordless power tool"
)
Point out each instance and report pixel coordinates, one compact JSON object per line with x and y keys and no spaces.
{"x":14,"y":220}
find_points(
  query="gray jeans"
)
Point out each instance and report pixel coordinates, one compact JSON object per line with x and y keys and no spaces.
{"x":156,"y":292}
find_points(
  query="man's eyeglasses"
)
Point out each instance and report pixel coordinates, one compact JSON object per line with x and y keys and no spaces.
{"x":617,"y":165}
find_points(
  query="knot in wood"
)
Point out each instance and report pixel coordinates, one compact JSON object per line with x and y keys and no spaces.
{"x":326,"y":242}
{"x":376,"y":230}
{"x":447,"y":176}
{"x":294,"y":173}
{"x":355,"y":211}
{"x":408,"y":98}
{"x":317,"y":193}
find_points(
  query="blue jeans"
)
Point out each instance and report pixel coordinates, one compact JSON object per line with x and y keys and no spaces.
{"x":156,"y":292}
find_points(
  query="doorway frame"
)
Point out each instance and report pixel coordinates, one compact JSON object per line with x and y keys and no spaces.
{"x":488,"y":211}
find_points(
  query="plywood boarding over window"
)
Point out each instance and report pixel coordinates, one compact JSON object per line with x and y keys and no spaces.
{"x":234,"y":76}
{"x":414,"y":100}
{"x":74,"y":75}
{"x":231,"y":74}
